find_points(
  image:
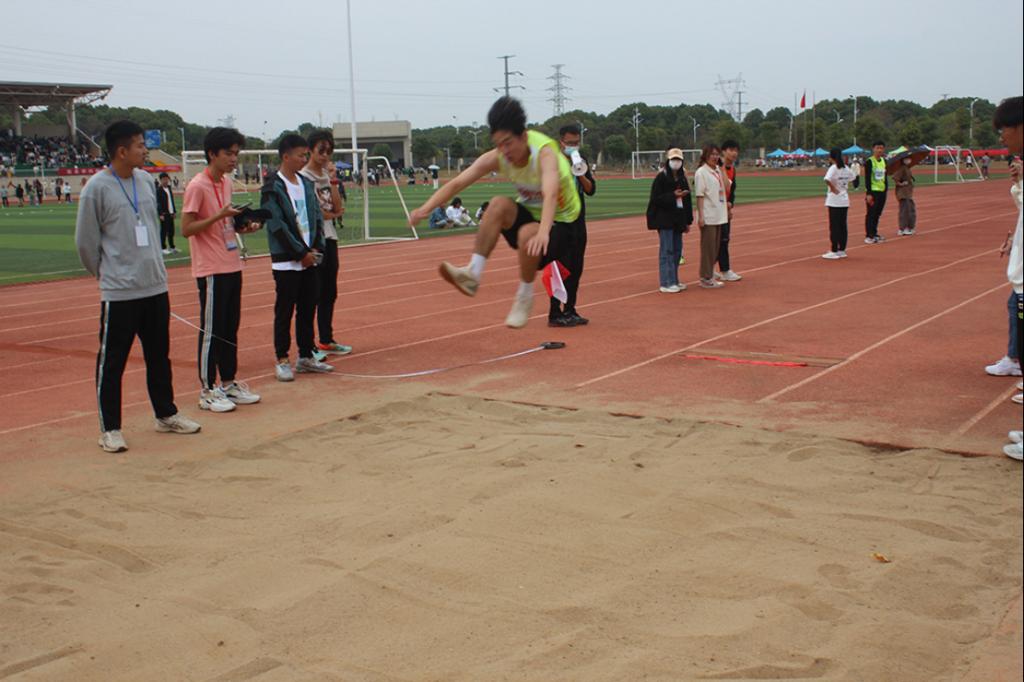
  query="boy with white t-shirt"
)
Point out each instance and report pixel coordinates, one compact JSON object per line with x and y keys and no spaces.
{"x":295,"y":234}
{"x":837,"y":199}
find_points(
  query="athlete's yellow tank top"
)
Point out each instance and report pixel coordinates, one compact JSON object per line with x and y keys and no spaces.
{"x":528,"y":185}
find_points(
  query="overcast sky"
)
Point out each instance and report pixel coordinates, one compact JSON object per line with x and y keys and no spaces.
{"x":435,"y":62}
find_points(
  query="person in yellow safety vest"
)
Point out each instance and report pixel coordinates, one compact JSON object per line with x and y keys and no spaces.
{"x":538,"y":224}
{"x":876,"y":184}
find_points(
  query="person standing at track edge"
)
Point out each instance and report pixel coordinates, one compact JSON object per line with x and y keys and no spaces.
{"x":730,"y":152}
{"x":208,"y":223}
{"x":876,"y":186}
{"x":167,"y":211}
{"x":670,"y":212}
{"x":117,"y":239}
{"x":569,"y":140}
{"x":1008,"y":119}
{"x":321,"y":172}
{"x":904,"y":181}
{"x":295,"y":234}
{"x":837,"y":200}
{"x":537,"y":225}
{"x":711,"y":187}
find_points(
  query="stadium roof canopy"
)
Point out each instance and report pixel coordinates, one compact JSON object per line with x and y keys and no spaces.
{"x":19,"y":96}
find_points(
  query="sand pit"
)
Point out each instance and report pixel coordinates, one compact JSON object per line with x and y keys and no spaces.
{"x":453,"y":538}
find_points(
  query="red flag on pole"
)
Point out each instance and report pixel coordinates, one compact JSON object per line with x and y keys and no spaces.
{"x":552,"y":276}
{"x":803,"y":100}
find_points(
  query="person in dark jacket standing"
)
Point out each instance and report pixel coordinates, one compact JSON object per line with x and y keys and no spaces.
{"x":167,"y":210}
{"x":569,"y":140}
{"x":730,"y":151}
{"x":876,"y":186}
{"x":670,"y":212}
{"x":295,"y":234}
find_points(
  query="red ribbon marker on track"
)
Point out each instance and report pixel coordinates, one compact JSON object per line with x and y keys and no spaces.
{"x":740,"y":361}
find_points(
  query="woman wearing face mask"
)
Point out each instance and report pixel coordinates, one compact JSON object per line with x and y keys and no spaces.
{"x":711,"y":186}
{"x":670,"y":212}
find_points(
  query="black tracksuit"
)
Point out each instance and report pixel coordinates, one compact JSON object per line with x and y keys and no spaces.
{"x":874,"y":213}
{"x":575,"y":251}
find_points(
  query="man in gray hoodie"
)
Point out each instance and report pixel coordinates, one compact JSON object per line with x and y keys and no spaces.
{"x":119,"y":244}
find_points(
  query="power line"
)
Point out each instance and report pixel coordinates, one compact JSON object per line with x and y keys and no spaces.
{"x":559,"y":89}
{"x":732,"y":93}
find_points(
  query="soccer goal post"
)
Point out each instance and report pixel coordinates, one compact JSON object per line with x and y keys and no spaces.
{"x":646,"y":164}
{"x":960,"y":160}
{"x":363,"y":226}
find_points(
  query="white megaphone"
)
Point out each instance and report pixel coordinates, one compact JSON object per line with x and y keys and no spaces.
{"x":579,"y":166}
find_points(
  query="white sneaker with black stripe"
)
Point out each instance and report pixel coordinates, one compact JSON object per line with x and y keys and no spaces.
{"x":238,"y":392}
{"x":176,"y":423}
{"x":215,"y":400}
{"x":113,"y":441}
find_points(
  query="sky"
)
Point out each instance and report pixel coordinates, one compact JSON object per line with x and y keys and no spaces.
{"x":277,"y":64}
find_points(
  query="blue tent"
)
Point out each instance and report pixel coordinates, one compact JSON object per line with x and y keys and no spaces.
{"x":799,"y":152}
{"x":777,"y":154}
{"x":854,"y":150}
{"x":820,"y":152}
{"x":341,"y":165}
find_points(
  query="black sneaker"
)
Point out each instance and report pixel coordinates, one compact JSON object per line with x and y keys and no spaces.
{"x":561,"y":321}
{"x":577,"y":319}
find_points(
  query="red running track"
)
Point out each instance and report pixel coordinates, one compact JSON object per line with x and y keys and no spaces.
{"x":897,"y":334}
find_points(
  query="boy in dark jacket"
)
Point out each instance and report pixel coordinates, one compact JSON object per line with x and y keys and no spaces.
{"x":295,"y":233}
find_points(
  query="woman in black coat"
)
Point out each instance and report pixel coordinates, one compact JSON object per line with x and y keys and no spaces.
{"x":670,"y":212}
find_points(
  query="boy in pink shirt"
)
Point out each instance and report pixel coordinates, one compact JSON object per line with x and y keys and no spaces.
{"x":208,"y":222}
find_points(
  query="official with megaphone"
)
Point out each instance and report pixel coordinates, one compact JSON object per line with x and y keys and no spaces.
{"x":569,"y":138}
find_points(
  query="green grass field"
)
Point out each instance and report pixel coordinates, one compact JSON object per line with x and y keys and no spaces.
{"x":37,"y":243}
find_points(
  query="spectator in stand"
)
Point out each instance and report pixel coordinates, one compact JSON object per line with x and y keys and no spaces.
{"x":458,"y":214}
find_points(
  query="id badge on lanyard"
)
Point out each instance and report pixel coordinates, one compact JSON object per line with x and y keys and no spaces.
{"x":227,"y":229}
{"x":141,"y":231}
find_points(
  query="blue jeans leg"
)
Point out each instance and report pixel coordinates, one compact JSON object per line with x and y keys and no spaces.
{"x":668,"y":262}
{"x":1014,"y":344}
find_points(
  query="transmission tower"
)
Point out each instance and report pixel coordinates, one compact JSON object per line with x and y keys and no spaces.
{"x":228,"y":121}
{"x":732,"y":94}
{"x":559,"y":89}
{"x":508,"y":73}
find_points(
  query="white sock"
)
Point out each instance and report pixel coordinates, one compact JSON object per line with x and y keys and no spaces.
{"x":525,"y":290}
{"x":476,"y":265}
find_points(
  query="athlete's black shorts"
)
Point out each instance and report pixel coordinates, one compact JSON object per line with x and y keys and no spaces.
{"x":558,"y":240}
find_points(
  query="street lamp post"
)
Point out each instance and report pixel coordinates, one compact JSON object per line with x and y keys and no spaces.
{"x":695,"y":126}
{"x":854,"y":98}
{"x":970,"y":135}
{"x":839,"y":118}
{"x":448,"y":155}
{"x":636,"y":126}
{"x":583,"y":129}
{"x":182,"y":139}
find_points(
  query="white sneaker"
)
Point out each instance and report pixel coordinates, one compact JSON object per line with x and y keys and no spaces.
{"x":831,"y":255}
{"x":710,"y":284}
{"x":177,"y":424}
{"x":673,"y":289}
{"x":283,"y":371}
{"x":214,"y":400}
{"x":461,"y":278}
{"x":1019,"y":398}
{"x":901,"y":232}
{"x":520,"y":313}
{"x":312,"y":366}
{"x":1006,"y":367}
{"x":166,"y":252}
{"x":113,"y":441}
{"x":717,"y":276}
{"x":1016,"y":436}
{"x":730,"y":276}
{"x":238,"y":392}
{"x":1014,"y":451}
{"x":869,"y":240}
{"x":682,"y":286}
{"x":841,"y":254}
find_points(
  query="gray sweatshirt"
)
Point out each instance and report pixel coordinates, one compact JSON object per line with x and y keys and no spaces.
{"x":107,"y":242}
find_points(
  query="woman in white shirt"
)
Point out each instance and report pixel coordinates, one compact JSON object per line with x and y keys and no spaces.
{"x":838,"y":178}
{"x":711,"y":187}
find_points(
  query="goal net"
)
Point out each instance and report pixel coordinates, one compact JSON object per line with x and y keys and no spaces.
{"x":646,"y":164}
{"x":955,"y":164}
{"x":375,"y":207}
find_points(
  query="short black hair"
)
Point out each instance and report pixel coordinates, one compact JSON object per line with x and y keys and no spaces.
{"x":120,"y":134}
{"x":456,"y":201}
{"x":731,"y":144}
{"x":221,"y":138}
{"x":570,"y":129}
{"x":322,"y":135}
{"x":507,"y":114}
{"x":289,"y":142}
{"x":877,"y":143}
{"x":164,"y":175}
{"x":1009,"y":113}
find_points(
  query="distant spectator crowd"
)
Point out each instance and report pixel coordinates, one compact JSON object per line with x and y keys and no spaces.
{"x":44,"y":152}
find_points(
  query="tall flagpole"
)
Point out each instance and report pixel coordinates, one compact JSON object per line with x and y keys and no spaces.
{"x":814,"y":128}
{"x":355,"y":142}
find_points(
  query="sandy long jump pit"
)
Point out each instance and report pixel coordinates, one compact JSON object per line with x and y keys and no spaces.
{"x":444,"y":537}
